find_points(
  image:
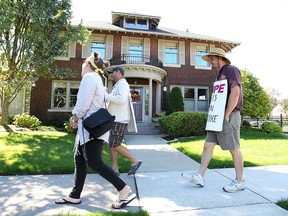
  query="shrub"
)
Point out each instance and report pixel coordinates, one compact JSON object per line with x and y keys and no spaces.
{"x":283,"y":203}
{"x":175,"y":101}
{"x":68,"y":127}
{"x":271,"y":127}
{"x":26,"y":121}
{"x":246,"y":124}
{"x":183,"y":124}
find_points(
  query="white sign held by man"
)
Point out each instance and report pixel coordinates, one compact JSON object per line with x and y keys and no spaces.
{"x":217,"y":106}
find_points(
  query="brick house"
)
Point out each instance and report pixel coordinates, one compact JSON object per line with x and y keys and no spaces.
{"x":155,"y":60}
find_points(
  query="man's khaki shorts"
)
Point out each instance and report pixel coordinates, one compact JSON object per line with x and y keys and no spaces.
{"x":229,"y":137}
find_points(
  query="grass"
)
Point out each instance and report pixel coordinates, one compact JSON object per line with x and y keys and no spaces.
{"x":258,"y":149}
{"x":42,"y":153}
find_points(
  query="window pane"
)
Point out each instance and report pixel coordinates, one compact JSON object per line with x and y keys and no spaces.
{"x":201,"y":51}
{"x":189,"y":93}
{"x":189,"y":102}
{"x":189,"y":105}
{"x":59,"y":95}
{"x":202,"y":94}
{"x":141,"y":24}
{"x":171,"y":56}
{"x":73,"y":95}
{"x":146,"y":101}
{"x":135,"y":54}
{"x":130,"y":23}
{"x":202,"y":103}
{"x":99,"y":47}
{"x":202,"y":106}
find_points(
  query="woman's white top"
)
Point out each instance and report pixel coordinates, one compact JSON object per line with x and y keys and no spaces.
{"x":90,"y":98}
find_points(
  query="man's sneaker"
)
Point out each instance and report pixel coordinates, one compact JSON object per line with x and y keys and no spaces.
{"x":196,"y":179}
{"x":234,"y":186}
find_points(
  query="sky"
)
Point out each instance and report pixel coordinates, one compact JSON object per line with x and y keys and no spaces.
{"x":260,"y":27}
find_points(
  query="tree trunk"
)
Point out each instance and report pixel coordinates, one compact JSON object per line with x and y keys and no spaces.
{"x":5,"y":114}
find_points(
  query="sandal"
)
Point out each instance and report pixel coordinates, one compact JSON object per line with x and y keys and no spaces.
{"x":68,"y":200}
{"x":123,"y":202}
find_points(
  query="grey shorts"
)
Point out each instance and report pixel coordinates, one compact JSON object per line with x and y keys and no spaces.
{"x":117,"y":134}
{"x":229,"y":137}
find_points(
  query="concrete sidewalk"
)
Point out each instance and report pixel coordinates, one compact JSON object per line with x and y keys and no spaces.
{"x":161,"y":190}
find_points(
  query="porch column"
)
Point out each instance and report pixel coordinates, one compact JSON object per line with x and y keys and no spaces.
{"x":158,"y":97}
{"x":150,"y":101}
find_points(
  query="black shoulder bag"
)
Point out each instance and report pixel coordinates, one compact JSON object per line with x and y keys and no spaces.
{"x":98,"y":123}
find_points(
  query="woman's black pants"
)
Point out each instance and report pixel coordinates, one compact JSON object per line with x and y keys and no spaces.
{"x":91,"y":154}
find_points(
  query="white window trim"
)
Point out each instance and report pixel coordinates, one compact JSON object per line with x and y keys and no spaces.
{"x":172,"y":65}
{"x":62,"y":58}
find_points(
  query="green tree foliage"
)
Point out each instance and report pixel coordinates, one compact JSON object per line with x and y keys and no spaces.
{"x":32,"y":34}
{"x":175,"y":101}
{"x":273,"y":94}
{"x":284,"y":106}
{"x":256,"y":101}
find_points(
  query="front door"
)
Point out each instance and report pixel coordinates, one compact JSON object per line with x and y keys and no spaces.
{"x":137,"y":100}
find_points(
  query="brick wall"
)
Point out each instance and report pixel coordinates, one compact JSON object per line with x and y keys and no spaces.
{"x":186,"y":75}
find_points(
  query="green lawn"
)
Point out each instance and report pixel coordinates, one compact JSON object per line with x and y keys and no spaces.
{"x":42,"y":153}
{"x":258,"y":149}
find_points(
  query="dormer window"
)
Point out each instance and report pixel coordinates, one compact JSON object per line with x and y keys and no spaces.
{"x":135,"y":23}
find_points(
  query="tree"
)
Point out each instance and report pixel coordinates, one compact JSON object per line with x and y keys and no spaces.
{"x":256,"y":100}
{"x":175,"y":101}
{"x":32,"y":34}
{"x":284,"y":106}
{"x":273,"y":94}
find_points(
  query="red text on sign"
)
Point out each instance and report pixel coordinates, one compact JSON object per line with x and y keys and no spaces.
{"x":219,"y":88}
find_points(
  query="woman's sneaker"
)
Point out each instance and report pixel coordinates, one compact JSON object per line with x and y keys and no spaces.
{"x":234,"y":186}
{"x":196,"y":179}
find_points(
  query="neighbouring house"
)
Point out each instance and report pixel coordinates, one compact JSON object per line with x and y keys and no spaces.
{"x":155,"y":60}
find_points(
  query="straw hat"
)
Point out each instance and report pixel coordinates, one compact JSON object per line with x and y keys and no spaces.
{"x":216,"y":52}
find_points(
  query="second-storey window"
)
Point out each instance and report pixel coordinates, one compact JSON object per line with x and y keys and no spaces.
{"x":98,"y":43}
{"x":135,"y":51}
{"x":171,"y":53}
{"x":201,"y":50}
{"x":136,"y":23}
{"x":98,"y":46}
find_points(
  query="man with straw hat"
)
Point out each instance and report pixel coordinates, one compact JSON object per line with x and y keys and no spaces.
{"x":229,"y":137}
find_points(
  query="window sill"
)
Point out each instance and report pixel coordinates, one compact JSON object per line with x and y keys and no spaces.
{"x":62,"y":58}
{"x":59,"y":110}
{"x":172,"y":65}
{"x":203,"y":68}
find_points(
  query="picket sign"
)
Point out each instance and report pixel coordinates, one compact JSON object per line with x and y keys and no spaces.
{"x":132,"y":125}
{"x":217,"y":106}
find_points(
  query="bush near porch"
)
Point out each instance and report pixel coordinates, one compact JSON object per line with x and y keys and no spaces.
{"x":184,"y":124}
